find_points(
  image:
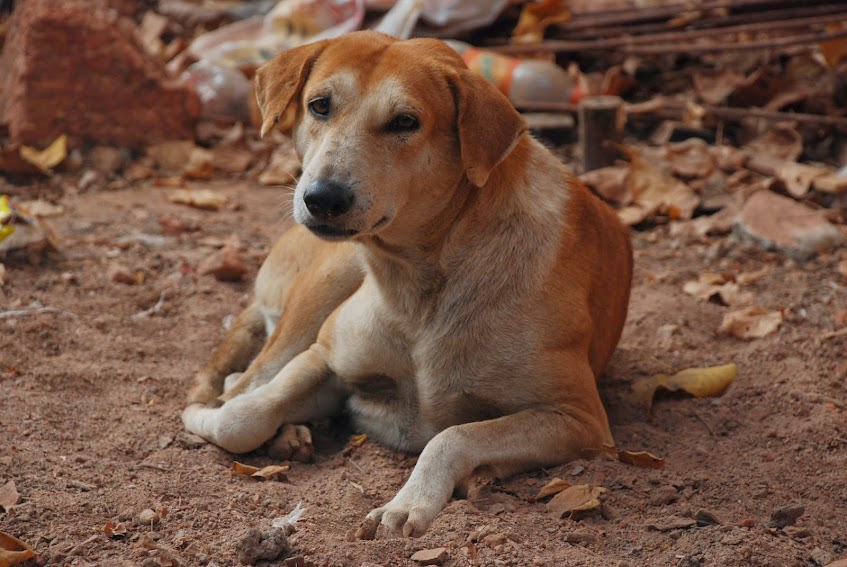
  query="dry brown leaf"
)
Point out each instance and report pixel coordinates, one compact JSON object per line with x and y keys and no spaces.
{"x":641,"y":459}
{"x":114,"y":531}
{"x":9,"y":496}
{"x":171,"y":156}
{"x":691,"y":159}
{"x":241,"y":468}
{"x":199,"y":198}
{"x":576,"y":498}
{"x":553,"y":487}
{"x":609,"y":183}
{"x":232,"y":159}
{"x":271,"y":471}
{"x":747,"y":278}
{"x":283,"y":169}
{"x":714,"y":86}
{"x":699,"y":382}
{"x":536,"y":17}
{"x":13,"y":550}
{"x":41,"y":208}
{"x":830,"y":183}
{"x":781,"y":141}
{"x":799,"y":177}
{"x":200,"y":164}
{"x":654,"y":191}
{"x":266,"y":472}
{"x":359,"y":440}
{"x":834,"y":50}
{"x":49,"y":157}
{"x":751,"y":323}
{"x":728,"y":293}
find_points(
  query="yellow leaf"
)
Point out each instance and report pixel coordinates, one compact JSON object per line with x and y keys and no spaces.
{"x":359,"y":440}
{"x":577,"y":498}
{"x":553,"y":487}
{"x":13,"y":550}
{"x":834,"y":50}
{"x":699,"y":382}
{"x":49,"y":157}
{"x":536,"y":17}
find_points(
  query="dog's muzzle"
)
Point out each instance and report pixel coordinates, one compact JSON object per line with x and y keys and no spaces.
{"x":327,"y":201}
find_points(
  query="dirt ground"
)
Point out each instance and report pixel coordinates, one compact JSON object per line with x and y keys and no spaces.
{"x":90,"y":399}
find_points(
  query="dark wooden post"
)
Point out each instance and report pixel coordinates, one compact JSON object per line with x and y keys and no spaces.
{"x":601,"y":120}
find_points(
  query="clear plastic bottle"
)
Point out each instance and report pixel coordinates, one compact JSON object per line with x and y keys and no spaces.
{"x":527,"y":80}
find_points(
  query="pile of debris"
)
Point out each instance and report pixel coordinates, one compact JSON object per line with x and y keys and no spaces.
{"x":685,"y":110}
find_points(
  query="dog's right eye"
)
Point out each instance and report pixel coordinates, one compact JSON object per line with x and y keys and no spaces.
{"x":319,"y":106}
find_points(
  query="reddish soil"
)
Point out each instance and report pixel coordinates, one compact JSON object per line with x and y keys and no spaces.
{"x":90,"y":399}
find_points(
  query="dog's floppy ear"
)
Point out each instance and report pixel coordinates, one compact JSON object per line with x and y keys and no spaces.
{"x":279,"y":82}
{"x":489,"y":126}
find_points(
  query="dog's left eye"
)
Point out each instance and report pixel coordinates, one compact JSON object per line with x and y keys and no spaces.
{"x":319,"y":106}
{"x":403,"y":123}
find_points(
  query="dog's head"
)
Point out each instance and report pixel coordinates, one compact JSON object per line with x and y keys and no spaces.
{"x":386,"y":130}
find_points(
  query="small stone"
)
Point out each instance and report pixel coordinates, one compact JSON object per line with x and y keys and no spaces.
{"x":151,"y":562}
{"x":664,"y":495}
{"x":298,"y":561}
{"x":706,"y":518}
{"x":786,"y":515}
{"x":225,"y":264}
{"x":732,"y":539}
{"x":257,"y":545}
{"x":579,"y":536}
{"x":494,"y":539}
{"x":174,"y":226}
{"x":746,"y":523}
{"x":435,"y":556}
{"x":795,"y":532}
{"x":119,"y":273}
{"x":577,"y":470}
{"x":148,"y":517}
{"x":671,"y":523}
{"x":165,"y":441}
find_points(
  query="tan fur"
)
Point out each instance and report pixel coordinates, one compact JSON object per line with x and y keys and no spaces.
{"x":472,"y":312}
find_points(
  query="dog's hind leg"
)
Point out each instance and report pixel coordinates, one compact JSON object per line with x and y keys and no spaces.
{"x":240,"y":345}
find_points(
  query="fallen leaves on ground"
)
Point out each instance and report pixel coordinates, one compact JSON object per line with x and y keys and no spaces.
{"x":699,"y":382}
{"x":576,"y":498}
{"x":717,"y":288}
{"x":199,"y":198}
{"x":49,"y":157}
{"x":13,"y":550}
{"x":654,"y":191}
{"x":535,"y":17}
{"x":641,"y":459}
{"x":751,"y":323}
{"x":114,"y":531}
{"x":9,"y":496}
{"x":553,"y":487}
{"x":359,"y":440}
{"x":269,"y":471}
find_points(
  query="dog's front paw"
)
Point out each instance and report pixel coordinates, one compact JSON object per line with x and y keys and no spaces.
{"x":401,"y":516}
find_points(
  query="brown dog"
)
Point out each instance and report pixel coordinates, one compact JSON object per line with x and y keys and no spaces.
{"x":465,"y":292}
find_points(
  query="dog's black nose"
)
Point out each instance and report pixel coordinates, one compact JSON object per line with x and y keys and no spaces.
{"x":328,"y":199}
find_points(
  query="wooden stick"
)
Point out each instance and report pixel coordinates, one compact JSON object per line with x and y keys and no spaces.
{"x":764,"y":18}
{"x":680,"y":45}
{"x":678,"y":111}
{"x":601,"y":122}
